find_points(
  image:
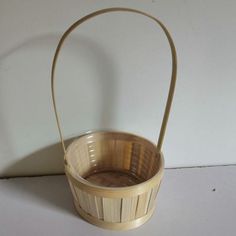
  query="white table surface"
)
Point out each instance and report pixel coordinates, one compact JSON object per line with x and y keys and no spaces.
{"x":191,"y":201}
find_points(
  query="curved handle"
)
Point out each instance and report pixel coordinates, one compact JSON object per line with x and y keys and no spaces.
{"x":173,"y":76}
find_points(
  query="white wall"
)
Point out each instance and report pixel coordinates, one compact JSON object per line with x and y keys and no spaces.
{"x":114,"y":73}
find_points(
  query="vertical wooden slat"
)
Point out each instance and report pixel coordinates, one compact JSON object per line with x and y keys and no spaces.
{"x":91,"y":153}
{"x":143,"y":202}
{"x":150,"y":164}
{"x":128,"y":209}
{"x":117,"y":160}
{"x":82,"y":164}
{"x":84,"y":201}
{"x":73,"y":190}
{"x":141,"y":161}
{"x":135,"y":157}
{"x":112,"y":209}
{"x":107,"y":151}
{"x":99,"y":207}
{"x":92,"y":205}
{"x":98,"y":163}
{"x":80,"y":198}
{"x":126,"y":155}
{"x":153,"y":197}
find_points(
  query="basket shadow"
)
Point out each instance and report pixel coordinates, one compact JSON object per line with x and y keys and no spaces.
{"x":50,"y":191}
{"x":49,"y":159}
{"x":54,"y":190}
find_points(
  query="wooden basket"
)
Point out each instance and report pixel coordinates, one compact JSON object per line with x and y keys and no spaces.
{"x":115,"y":176}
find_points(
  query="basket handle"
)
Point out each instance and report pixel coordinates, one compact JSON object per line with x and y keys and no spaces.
{"x":173,"y":76}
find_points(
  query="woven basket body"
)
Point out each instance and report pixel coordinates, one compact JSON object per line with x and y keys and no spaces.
{"x":115,"y":176}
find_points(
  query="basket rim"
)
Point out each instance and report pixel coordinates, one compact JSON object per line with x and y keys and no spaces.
{"x":140,"y":187}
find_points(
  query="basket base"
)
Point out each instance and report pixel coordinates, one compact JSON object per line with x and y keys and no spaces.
{"x":113,"y":226}
{"x":113,"y":178}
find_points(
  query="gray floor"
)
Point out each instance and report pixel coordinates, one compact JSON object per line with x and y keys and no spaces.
{"x":192,"y":201}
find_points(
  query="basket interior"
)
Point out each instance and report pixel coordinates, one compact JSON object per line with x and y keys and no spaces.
{"x":113,"y":159}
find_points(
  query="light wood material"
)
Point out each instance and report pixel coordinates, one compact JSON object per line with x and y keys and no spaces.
{"x":114,"y":193}
{"x":115,"y":176}
{"x":114,"y":226}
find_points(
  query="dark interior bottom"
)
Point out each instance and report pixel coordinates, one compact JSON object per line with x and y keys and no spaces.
{"x":113,"y":178}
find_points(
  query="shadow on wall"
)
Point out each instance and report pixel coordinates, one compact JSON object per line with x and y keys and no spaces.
{"x":49,"y":159}
{"x":22,"y":124}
